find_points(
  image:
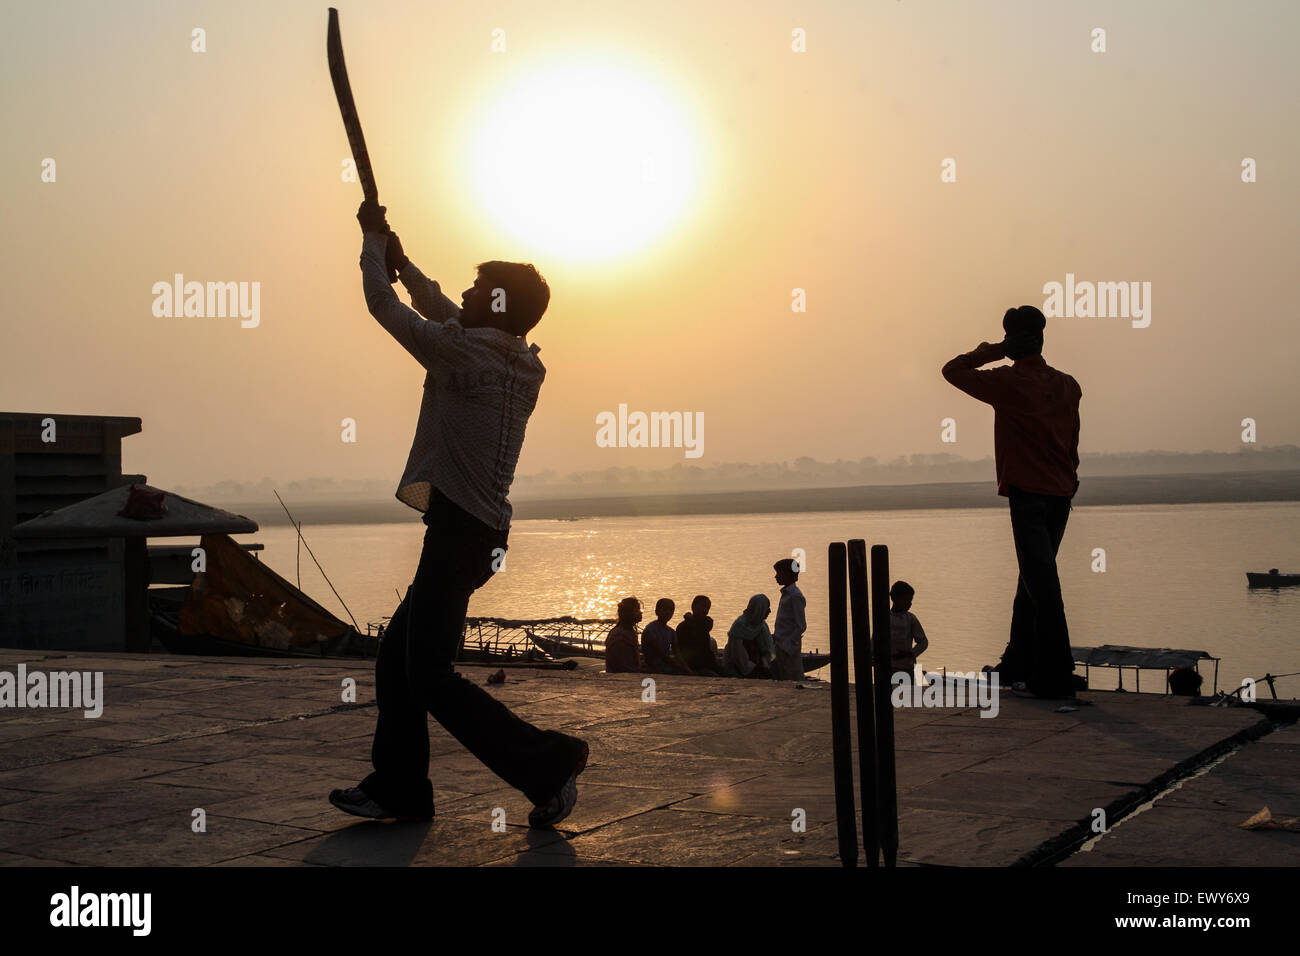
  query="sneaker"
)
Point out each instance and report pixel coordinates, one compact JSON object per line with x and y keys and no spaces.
{"x":355,"y":801}
{"x":557,"y":808}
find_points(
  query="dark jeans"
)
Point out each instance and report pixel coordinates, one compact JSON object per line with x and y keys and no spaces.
{"x":1039,"y":649}
{"x":414,"y":677}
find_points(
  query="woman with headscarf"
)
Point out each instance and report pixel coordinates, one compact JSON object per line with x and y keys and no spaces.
{"x":750,"y":648}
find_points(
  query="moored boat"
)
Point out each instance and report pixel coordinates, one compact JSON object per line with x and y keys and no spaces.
{"x":239,"y":606}
{"x":588,"y":646}
{"x":1273,"y":579}
{"x":561,"y":648}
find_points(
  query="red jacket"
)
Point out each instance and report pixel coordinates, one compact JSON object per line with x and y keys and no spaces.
{"x":1035,"y":420}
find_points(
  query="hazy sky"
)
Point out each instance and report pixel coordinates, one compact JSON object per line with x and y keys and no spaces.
{"x":817,"y":170}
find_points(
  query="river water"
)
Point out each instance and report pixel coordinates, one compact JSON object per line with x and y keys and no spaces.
{"x":1174,"y":574}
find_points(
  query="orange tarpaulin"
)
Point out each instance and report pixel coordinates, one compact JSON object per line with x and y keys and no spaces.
{"x":238,"y":598}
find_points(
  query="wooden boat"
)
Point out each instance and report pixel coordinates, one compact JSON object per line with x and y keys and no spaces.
{"x":483,"y":655}
{"x":560,"y":648}
{"x":814,"y":660}
{"x":164,"y":625}
{"x":239,"y":606}
{"x":588,"y":647}
{"x":1272,"y":579}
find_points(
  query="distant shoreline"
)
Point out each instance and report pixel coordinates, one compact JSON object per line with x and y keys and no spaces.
{"x":1211,"y":488}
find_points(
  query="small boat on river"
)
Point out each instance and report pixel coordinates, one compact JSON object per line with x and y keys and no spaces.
{"x":1273,"y":579}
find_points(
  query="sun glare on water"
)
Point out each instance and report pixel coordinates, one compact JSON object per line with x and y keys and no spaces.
{"x":586,"y":160}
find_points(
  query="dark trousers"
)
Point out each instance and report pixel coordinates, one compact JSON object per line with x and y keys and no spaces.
{"x":1039,"y":649}
{"x":414,"y":677}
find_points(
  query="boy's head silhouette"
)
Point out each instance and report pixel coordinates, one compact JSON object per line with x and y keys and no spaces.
{"x":785,"y":572}
{"x":664,"y":609}
{"x":516,"y":308}
{"x":901,"y":594}
{"x":700,"y":606}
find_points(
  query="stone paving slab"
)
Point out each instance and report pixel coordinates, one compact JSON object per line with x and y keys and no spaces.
{"x":763,"y":743}
{"x":261,"y":772}
{"x":211,"y":748}
{"x":1181,"y":836}
{"x":600,"y":804}
{"x":710,"y":773}
{"x":969,"y":837}
{"x":1037,"y":796}
{"x":1198,"y":821}
{"x":59,"y":775}
{"x":440,"y":842}
{"x":18,"y":754}
{"x":300,"y":802}
{"x":17,"y":859}
{"x":167,"y":842}
{"x":775,"y":795}
{"x":16,"y":834}
{"x":124,"y":802}
{"x":674,"y":837}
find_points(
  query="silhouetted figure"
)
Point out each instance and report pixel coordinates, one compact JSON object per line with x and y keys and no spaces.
{"x":1036,"y":446}
{"x":481,"y":386}
{"x":621,"y":655}
{"x":907,"y":640}
{"x":1185,"y":681}
{"x":694,"y":643}
{"x":750,"y":649}
{"x":659,"y":641}
{"x":788,"y":630}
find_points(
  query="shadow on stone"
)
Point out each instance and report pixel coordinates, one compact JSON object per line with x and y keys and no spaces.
{"x":557,"y":852}
{"x":372,"y":843}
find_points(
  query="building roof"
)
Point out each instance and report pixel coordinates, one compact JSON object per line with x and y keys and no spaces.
{"x":98,"y":517}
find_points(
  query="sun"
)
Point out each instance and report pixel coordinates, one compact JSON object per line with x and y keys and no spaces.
{"x":588,"y":160}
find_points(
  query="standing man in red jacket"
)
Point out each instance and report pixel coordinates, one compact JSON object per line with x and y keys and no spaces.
{"x":1036,"y":446}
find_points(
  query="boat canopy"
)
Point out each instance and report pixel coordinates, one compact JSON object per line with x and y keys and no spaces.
{"x":1148,"y":658}
{"x":99,"y":517}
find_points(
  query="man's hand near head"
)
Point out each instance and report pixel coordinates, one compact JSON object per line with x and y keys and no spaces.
{"x":961,"y":371}
{"x":987,"y":352}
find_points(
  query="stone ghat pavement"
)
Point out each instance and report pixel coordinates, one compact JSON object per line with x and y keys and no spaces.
{"x":708,"y":775}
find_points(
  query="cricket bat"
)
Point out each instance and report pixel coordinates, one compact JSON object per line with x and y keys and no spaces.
{"x":351,"y":121}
